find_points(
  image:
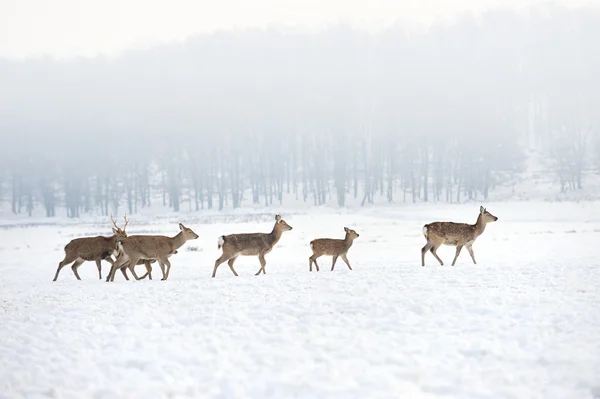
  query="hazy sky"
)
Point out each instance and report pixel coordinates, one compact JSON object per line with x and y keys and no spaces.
{"x":65,"y":28}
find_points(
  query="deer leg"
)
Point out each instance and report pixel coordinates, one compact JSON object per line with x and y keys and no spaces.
{"x":434,"y":252}
{"x":424,"y":250}
{"x":148,"y":270}
{"x":75,"y":266}
{"x":124,"y":272}
{"x":311,"y":259}
{"x":167,"y":263}
{"x":314,"y":258}
{"x":230,"y":263}
{"x":99,"y":266}
{"x":67,"y":260}
{"x":117,"y":265}
{"x":131,"y":265}
{"x":458,"y":248}
{"x":333,"y":261}
{"x":470,"y":249}
{"x":263,"y":263}
{"x":222,"y":259}
{"x":345,"y":259}
{"x":162,"y":269}
{"x":109,"y":260}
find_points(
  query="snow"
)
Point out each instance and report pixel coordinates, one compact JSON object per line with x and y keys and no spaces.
{"x":523,"y":323}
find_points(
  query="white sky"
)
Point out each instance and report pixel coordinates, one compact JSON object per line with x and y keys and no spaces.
{"x":66,"y":28}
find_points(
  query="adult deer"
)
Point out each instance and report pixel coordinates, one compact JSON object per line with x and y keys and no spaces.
{"x":150,"y":247}
{"x":250,"y":244}
{"x":455,"y":234}
{"x":96,"y":249}
{"x":333,"y":247}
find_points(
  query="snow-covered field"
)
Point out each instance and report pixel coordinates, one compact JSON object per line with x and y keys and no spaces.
{"x":523,"y":323}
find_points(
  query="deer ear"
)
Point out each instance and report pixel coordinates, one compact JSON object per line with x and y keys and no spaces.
{"x":115,"y":230}
{"x":481,"y":209}
{"x":278,"y":217}
{"x":346,"y":229}
{"x":181,"y":227}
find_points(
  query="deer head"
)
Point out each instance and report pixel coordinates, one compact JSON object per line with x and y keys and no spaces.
{"x":486,"y":216}
{"x":120,"y":233}
{"x":281,"y":224}
{"x":188,"y":233}
{"x":351,"y":233}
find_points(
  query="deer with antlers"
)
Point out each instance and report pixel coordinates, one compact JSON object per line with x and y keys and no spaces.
{"x":99,"y":248}
{"x":333,"y":247}
{"x":455,"y":234}
{"x":132,"y":249}
{"x":250,"y":244}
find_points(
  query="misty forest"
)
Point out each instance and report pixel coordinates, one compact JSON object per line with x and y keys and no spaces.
{"x":264,"y":117}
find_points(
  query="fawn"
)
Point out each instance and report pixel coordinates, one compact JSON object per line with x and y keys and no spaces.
{"x":150,"y":247}
{"x":455,"y":234}
{"x":250,"y":244}
{"x":333,"y":247}
{"x":145,"y":262}
{"x":96,"y":249}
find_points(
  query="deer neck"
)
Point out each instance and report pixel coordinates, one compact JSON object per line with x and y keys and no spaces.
{"x":178,"y":240}
{"x":479,"y":225}
{"x":348,"y":241}
{"x":275,"y":235}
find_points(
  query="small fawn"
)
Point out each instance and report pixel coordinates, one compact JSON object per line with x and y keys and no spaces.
{"x":455,"y":234}
{"x":147,"y":263}
{"x":150,"y":247}
{"x":250,"y":244}
{"x":333,"y":247}
{"x":96,"y":249}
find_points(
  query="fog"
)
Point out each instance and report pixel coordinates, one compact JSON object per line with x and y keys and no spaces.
{"x":264,"y":118}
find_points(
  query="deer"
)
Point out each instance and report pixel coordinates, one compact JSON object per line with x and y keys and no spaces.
{"x":333,"y":247}
{"x":99,"y":248}
{"x":150,"y":247}
{"x":145,"y":262}
{"x":455,"y":234}
{"x":250,"y":244}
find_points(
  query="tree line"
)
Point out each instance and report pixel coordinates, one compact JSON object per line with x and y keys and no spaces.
{"x":261,"y":117}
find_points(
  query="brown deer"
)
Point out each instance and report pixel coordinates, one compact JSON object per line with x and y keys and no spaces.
{"x":150,"y":247}
{"x":333,"y":247}
{"x":250,"y":244}
{"x":455,"y":234}
{"x":96,"y":249}
{"x":145,"y":262}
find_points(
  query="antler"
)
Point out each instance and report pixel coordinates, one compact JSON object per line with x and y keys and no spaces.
{"x":126,"y":222}
{"x":113,"y":221}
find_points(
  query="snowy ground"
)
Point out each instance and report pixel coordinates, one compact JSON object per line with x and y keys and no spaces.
{"x":523,"y":323}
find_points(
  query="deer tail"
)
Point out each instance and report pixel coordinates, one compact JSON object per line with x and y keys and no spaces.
{"x":425,"y":232}
{"x":220,"y":242}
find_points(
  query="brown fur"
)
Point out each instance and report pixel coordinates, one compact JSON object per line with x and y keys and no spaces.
{"x":455,"y":234}
{"x":99,"y":248}
{"x":145,"y":262}
{"x":150,"y":247}
{"x":332,"y":247}
{"x":250,"y":244}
